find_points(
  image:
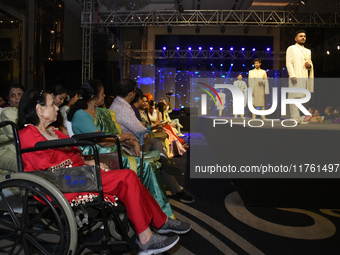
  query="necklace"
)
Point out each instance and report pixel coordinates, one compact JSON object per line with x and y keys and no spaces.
{"x":50,"y":135}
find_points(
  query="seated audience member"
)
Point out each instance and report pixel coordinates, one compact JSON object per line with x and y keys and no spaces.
{"x":71,"y":98}
{"x":86,"y":117}
{"x":137,"y":103}
{"x":173,"y":122}
{"x":316,"y":117}
{"x":336,"y":115}
{"x":153,"y":112}
{"x":2,"y":103}
{"x":126,"y":92}
{"x":8,"y":160}
{"x":176,"y":144}
{"x":328,"y":115}
{"x":144,"y":112}
{"x":59,"y":94}
{"x":36,"y":113}
{"x":108,"y":101}
{"x":309,"y":117}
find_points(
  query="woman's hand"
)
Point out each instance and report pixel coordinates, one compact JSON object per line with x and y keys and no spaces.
{"x":91,"y":162}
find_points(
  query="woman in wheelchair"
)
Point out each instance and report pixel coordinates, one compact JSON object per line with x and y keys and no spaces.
{"x":36,"y":112}
{"x":86,"y":117}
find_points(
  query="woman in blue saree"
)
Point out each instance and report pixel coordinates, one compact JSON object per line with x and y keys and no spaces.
{"x":86,"y":117}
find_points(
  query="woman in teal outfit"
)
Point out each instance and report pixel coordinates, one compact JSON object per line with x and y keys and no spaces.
{"x":86,"y":117}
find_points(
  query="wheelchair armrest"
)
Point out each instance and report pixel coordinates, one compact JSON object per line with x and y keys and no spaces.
{"x":56,"y":143}
{"x":89,"y":136}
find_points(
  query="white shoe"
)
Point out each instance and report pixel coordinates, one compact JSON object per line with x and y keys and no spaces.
{"x":180,"y":135}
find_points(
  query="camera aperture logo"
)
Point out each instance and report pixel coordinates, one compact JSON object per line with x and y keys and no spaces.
{"x":238,"y":104}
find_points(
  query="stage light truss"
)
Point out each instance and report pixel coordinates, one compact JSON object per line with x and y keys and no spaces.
{"x":330,"y":44}
{"x":211,"y":18}
{"x":205,"y":54}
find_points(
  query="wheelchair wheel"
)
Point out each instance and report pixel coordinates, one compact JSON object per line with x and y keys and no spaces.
{"x":24,"y":233}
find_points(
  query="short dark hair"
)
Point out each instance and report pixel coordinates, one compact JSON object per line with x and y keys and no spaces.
{"x":57,"y":90}
{"x":88,"y":89}
{"x":125,"y":86}
{"x":15,"y":86}
{"x":27,"y":107}
{"x":257,"y":60}
{"x":239,"y":75}
{"x":139,"y":94}
{"x":300,"y":31}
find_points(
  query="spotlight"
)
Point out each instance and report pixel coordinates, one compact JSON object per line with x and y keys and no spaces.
{"x":221,"y":48}
{"x":328,"y":52}
{"x":197,"y":30}
{"x":222,"y":29}
{"x":169,"y":29}
{"x":231,"y":64}
{"x":254,"y":49}
{"x":211,"y":48}
{"x":242,"y":64}
{"x":221,"y":64}
{"x":231,"y":48}
{"x":242,"y":49}
{"x":302,"y":2}
{"x":164,"y":48}
{"x":268,"y":49}
{"x":189,"y":48}
{"x":112,"y":46}
{"x":177,"y":48}
{"x":338,"y":47}
{"x":199,"y":48}
{"x":246,"y":30}
{"x":211,"y":64}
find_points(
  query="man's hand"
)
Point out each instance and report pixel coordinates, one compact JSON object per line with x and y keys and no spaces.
{"x":294,"y":80}
{"x":260,"y":83}
{"x":307,"y":65}
{"x":136,"y":147}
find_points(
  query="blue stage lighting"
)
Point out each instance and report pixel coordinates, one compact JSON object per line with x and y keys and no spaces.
{"x":231,"y":64}
{"x":200,"y":48}
{"x":221,"y":48}
{"x":177,"y":48}
{"x":164,"y":48}
{"x":268,"y":49}
{"x":211,"y":48}
{"x":231,"y":48}
{"x":221,"y":64}
{"x":211,"y":64}
{"x":189,"y":48}
{"x":242,"y":64}
{"x":242,"y":49}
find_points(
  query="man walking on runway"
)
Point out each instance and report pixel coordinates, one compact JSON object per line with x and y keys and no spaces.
{"x":259,"y":83}
{"x":300,"y":70}
{"x":243,"y":87}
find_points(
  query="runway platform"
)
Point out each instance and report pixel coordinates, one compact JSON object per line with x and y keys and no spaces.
{"x":287,"y":166}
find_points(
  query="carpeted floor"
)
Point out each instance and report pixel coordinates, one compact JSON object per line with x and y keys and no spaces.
{"x":223,"y":225}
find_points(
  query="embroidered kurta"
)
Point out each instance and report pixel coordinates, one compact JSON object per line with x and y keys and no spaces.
{"x":243,"y":87}
{"x":255,"y":76}
{"x":218,"y":104}
{"x":296,"y":56}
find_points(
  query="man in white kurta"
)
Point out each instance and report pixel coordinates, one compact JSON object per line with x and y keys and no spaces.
{"x":220,"y":106}
{"x":258,"y":81}
{"x":243,"y":87}
{"x":300,"y":70}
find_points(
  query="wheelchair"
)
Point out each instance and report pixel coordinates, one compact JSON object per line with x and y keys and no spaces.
{"x":36,"y":218}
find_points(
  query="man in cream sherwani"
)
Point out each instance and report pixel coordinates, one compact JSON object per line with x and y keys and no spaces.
{"x":258,"y":81}
{"x":220,"y":106}
{"x":300,"y":70}
{"x":243,"y":87}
